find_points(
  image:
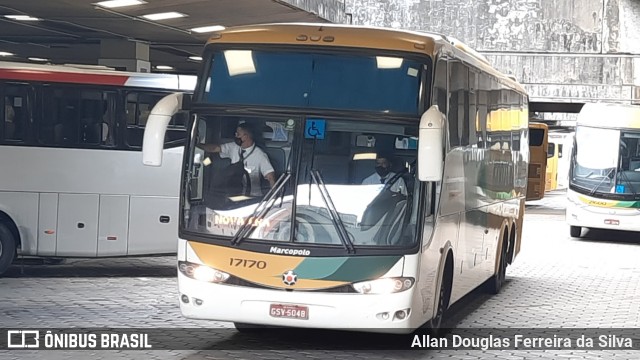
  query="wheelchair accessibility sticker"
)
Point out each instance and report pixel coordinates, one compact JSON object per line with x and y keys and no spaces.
{"x":314,"y":129}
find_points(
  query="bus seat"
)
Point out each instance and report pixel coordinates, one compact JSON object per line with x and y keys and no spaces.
{"x":58,"y":133}
{"x":333,"y":168}
{"x":277,"y":158}
{"x":91,"y":132}
{"x":9,"y":130}
{"x":361,"y":169}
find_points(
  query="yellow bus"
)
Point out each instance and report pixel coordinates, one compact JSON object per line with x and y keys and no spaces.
{"x":401,"y":164}
{"x":553,"y":156}
{"x":538,"y":145}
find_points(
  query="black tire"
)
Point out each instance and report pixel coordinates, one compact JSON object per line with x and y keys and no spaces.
{"x":444,"y":295}
{"x":7,"y":248}
{"x":496,"y":282}
{"x":575,"y":231}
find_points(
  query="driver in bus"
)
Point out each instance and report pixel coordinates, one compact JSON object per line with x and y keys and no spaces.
{"x":256,"y":161}
{"x":383,"y":174}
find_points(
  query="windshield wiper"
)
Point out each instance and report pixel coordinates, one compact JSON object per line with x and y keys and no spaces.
{"x":333,"y":213}
{"x":261,"y":209}
{"x":593,"y":191}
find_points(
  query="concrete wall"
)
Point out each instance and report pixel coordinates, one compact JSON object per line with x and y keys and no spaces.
{"x":561,"y":50}
{"x":332,"y":10}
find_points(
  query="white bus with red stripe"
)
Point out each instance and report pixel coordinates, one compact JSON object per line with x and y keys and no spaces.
{"x":72,"y":182}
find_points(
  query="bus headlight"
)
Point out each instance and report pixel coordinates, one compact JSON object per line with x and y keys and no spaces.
{"x":384,"y":286}
{"x":202,"y":272}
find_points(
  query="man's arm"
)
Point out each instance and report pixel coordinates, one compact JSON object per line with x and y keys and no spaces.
{"x":210,"y":148}
{"x":271,"y":178}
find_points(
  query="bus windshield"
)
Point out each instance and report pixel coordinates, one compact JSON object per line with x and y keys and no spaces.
{"x":338,"y":81}
{"x":339,"y":182}
{"x":606,"y":162}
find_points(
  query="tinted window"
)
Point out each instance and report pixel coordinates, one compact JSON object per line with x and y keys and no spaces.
{"x":536,"y":137}
{"x":16,"y":112}
{"x":75,"y":116}
{"x":327,"y":81}
{"x":139,"y":106}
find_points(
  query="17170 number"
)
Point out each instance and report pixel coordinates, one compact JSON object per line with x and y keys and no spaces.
{"x":259,"y":264}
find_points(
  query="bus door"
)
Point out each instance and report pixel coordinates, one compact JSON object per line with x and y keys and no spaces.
{"x":538,"y":143}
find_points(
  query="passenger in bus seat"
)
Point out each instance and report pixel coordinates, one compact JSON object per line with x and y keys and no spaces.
{"x":243,"y":148}
{"x":383,"y":174}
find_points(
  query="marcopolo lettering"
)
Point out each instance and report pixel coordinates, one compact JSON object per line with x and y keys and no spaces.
{"x":283,"y":251}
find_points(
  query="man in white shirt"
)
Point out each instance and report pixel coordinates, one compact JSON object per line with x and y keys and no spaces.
{"x":383,"y":174}
{"x":256,"y":161}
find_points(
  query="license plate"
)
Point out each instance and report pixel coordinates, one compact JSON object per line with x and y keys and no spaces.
{"x":289,"y":311}
{"x":611,"y":222}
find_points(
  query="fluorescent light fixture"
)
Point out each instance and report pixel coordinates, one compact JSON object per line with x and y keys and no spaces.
{"x":21,"y":17}
{"x":239,"y":62}
{"x":364,"y":156}
{"x":164,"y":16}
{"x":385,"y":62}
{"x":4,"y":53}
{"x":204,"y":29}
{"x":38,"y":59}
{"x":164,"y":67}
{"x":119,"y":3}
{"x":195,"y":58}
{"x":239,"y":198}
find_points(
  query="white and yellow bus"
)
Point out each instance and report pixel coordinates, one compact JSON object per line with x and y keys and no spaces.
{"x":604,"y":177}
{"x":320,"y":249}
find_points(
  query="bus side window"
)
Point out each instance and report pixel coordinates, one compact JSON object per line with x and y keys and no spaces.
{"x":16,"y":112}
{"x":139,"y":106}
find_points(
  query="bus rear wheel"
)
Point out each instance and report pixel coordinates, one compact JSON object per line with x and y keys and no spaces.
{"x":575,"y":231}
{"x":7,"y":248}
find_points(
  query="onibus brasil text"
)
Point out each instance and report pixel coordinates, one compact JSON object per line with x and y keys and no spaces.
{"x":51,"y":340}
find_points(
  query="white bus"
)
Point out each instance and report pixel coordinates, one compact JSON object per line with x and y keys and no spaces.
{"x":604,"y":175}
{"x":72,"y":183}
{"x":401,"y":165}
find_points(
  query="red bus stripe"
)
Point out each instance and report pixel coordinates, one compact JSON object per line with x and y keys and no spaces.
{"x":62,"y":77}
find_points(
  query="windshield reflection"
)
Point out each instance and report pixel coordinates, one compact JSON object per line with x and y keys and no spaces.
{"x":606,"y":161}
{"x":354,"y":203}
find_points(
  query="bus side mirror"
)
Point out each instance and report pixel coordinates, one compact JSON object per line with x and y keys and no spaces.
{"x":156,"y":127}
{"x":430,"y":146}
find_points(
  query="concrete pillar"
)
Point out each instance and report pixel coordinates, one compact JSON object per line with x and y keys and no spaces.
{"x":125,"y":55}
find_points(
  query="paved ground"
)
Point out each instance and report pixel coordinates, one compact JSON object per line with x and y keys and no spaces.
{"x":556,"y":282}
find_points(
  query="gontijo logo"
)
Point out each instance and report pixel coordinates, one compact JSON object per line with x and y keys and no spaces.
{"x":299,"y":252}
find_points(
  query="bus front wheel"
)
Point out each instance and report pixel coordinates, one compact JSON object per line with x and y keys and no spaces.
{"x":575,"y":231}
{"x":7,"y":248}
{"x":496,"y":282}
{"x":435,"y":324}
